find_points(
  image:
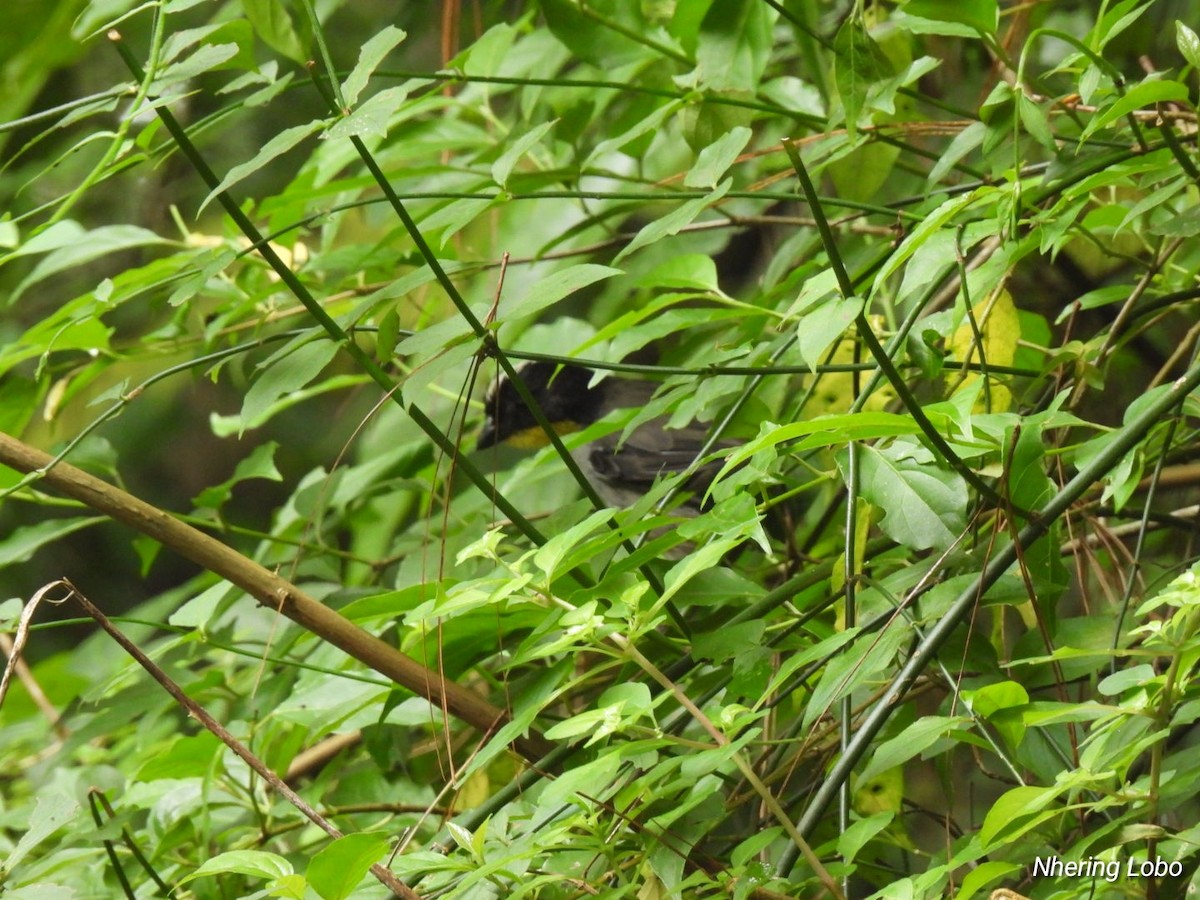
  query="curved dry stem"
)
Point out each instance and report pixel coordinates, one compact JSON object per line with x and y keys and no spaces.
{"x":267,"y":588}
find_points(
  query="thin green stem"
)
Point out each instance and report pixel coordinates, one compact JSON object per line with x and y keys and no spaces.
{"x":867,"y":334}
{"x":487,"y":339}
{"x":635,"y":36}
{"x":1089,"y":475}
{"x":600,"y":84}
{"x":69,"y":106}
{"x":118,"y":139}
{"x":317,"y":311}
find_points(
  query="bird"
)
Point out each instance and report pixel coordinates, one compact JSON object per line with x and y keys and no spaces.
{"x":621,"y":470}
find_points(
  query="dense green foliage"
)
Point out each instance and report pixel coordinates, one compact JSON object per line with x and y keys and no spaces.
{"x":927,"y":271}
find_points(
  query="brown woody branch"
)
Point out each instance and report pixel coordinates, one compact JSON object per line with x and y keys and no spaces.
{"x":267,"y":588}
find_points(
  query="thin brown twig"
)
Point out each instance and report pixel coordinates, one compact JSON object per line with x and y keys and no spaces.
{"x":201,"y":715}
{"x":13,"y":648}
{"x":267,"y":588}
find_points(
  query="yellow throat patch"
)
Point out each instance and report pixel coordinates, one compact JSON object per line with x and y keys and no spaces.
{"x":534,"y":438}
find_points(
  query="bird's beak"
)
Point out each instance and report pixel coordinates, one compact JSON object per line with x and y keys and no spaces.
{"x":487,"y":435}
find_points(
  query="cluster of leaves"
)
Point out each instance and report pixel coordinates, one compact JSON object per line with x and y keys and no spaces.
{"x":924,"y":270}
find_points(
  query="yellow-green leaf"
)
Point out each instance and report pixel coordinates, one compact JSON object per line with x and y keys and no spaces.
{"x":996,"y":345}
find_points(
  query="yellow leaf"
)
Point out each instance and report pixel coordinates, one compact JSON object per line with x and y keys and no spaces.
{"x":837,"y":578}
{"x":835,"y":390}
{"x":999,"y":330}
{"x":477,"y":788}
{"x":883,"y":793}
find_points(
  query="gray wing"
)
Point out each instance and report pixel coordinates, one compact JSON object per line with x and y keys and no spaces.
{"x":649,"y":453}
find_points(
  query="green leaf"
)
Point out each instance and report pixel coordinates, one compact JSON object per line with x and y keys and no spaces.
{"x":992,"y":698}
{"x":1188,"y":43}
{"x":51,"y":811}
{"x":590,"y":38}
{"x":862,"y":832}
{"x":273,"y":23}
{"x":10,"y":235}
{"x":582,"y":778}
{"x":1186,"y":224}
{"x":634,"y":698}
{"x":1134,"y":677}
{"x":858,"y":64}
{"x":728,"y":642}
{"x":551,"y":554}
{"x":205,"y":59}
{"x":883,"y":94}
{"x":462,"y":836}
{"x":716,"y":158}
{"x":1120,"y":481}
{"x":21,"y":543}
{"x":283,"y":375}
{"x":686,"y":270}
{"x":1017,"y":811}
{"x":259,"y":464}
{"x":21,"y":398}
{"x":924,"y":16}
{"x":371,"y":118}
{"x":190,"y":284}
{"x":734,"y":44}
{"x":369,"y":57}
{"x":503,"y":165}
{"x":818,"y":329}
{"x":1101,"y":219}
{"x":387,"y":336}
{"x":555,"y":287}
{"x":64,"y":233}
{"x":189,"y":756}
{"x":290,"y":887}
{"x":1028,"y":484}
{"x":1035,"y":122}
{"x":705,"y":123}
{"x":338,"y":869}
{"x":912,"y":741}
{"x":696,"y":562}
{"x":255,"y":863}
{"x":642,"y":126}
{"x":322,"y":702}
{"x":872,"y":653}
{"x":1144,"y":94}
{"x":929,"y":225}
{"x":823,"y":431}
{"x":237,"y":29}
{"x":862,"y":173}
{"x":924,"y":505}
{"x":750,"y":847}
{"x":1116,"y":19}
{"x":72,"y":248}
{"x":964,"y":142}
{"x":592,"y":721}
{"x":983,"y":875}
{"x":453,"y":217}
{"x":654,"y":320}
{"x":224,"y":426}
{"x":490,"y":52}
{"x":203,"y":609}
{"x":686,"y":20}
{"x":272,"y":150}
{"x":667,"y":225}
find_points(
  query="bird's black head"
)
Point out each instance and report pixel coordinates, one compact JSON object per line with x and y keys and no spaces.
{"x":561,"y":392}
